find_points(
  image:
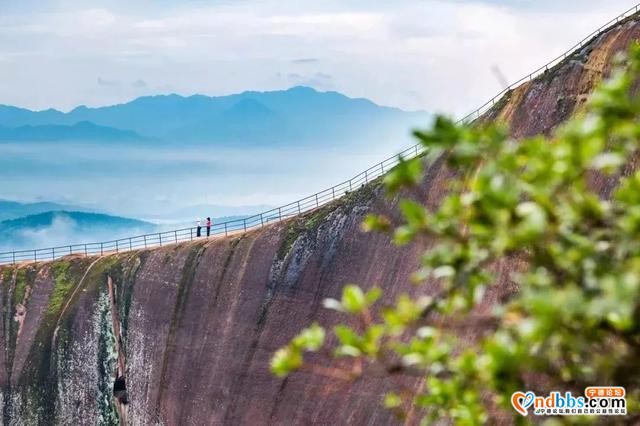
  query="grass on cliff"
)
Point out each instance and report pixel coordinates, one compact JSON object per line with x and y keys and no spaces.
{"x":62,"y":286}
{"x":21,"y":285}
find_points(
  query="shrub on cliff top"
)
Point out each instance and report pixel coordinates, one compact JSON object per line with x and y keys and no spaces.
{"x":574,"y":319}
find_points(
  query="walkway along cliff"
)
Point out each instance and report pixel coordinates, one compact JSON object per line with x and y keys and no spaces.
{"x":182,"y":335}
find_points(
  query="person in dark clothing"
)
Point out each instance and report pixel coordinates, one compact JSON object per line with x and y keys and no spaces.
{"x":208,"y":226}
{"x":120,"y":390}
{"x":198,"y":227}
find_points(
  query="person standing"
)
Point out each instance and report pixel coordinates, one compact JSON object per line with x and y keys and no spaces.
{"x":208,"y":226}
{"x":198,"y":227}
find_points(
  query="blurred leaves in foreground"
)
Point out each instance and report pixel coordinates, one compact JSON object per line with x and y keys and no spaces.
{"x":574,"y":320}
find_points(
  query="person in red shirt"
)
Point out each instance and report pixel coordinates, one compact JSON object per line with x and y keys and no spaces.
{"x":208,"y":226}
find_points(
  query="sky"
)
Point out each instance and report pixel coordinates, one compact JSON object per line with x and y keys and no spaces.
{"x":433,"y":55}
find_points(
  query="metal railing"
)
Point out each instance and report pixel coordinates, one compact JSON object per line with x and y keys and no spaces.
{"x":287,"y":211}
{"x":475,"y":114}
{"x":158,"y":239}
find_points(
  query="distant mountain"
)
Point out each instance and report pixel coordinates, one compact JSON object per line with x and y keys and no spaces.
{"x":11,"y":116}
{"x":84,"y":130}
{"x":14,"y":209}
{"x":299,"y":115}
{"x":65,"y":227}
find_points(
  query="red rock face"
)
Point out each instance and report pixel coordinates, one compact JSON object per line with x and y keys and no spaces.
{"x":539,"y":106}
{"x":198,"y":322}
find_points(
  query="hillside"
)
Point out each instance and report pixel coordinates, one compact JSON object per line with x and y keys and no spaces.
{"x":13,"y":209}
{"x":199,"y":321}
{"x":299,"y":115}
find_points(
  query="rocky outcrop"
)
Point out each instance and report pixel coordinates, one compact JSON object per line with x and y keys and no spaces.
{"x":539,"y":106}
{"x":182,"y":335}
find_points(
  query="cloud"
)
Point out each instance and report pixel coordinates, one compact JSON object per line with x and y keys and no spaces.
{"x":139,"y":84}
{"x":305,"y":61}
{"x":108,"y":83}
{"x":61,"y":230}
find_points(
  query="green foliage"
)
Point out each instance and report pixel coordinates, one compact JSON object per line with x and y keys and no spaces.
{"x":407,"y":172}
{"x":62,"y":287}
{"x":354,"y":300}
{"x":289,"y":358}
{"x":574,"y":254}
{"x":21,"y":285}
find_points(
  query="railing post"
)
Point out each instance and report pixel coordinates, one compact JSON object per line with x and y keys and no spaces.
{"x":366,"y":177}
{"x":382,"y":168}
{"x":279,"y":213}
{"x":244,"y":223}
{"x":261,"y":220}
{"x":70,"y":250}
{"x":53,"y":253}
{"x":160,"y":238}
{"x":101,"y":249}
{"x":176,"y":235}
{"x":145,"y":241}
{"x":117,"y":247}
{"x":13,"y":255}
{"x":130,"y":245}
{"x":333,"y":193}
{"x":225,"y":229}
{"x":299,"y":207}
{"x":85,"y":251}
{"x":190,"y":234}
{"x":317,"y":203}
{"x":350,"y":185}
{"x":35,"y":256}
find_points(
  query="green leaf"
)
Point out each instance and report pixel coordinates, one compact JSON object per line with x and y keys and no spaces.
{"x":346,"y":335}
{"x":376,"y":223}
{"x":392,"y":400}
{"x":353,"y":299}
{"x":285,"y":361}
{"x":406,"y":173}
{"x":373,"y":295}
{"x":310,"y":339}
{"x":414,"y":213}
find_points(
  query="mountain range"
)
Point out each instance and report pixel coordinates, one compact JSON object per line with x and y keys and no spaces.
{"x":84,"y":130}
{"x":300,"y":115}
{"x":14,"y":209}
